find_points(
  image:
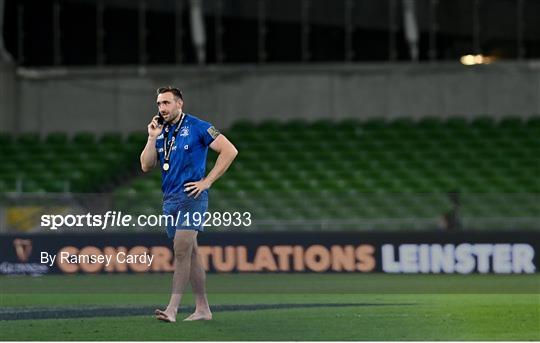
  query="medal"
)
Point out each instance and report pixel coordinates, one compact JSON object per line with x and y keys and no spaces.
{"x":168,"y":145}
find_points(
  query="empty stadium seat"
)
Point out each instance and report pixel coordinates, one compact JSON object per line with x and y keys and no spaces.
{"x":377,"y":168}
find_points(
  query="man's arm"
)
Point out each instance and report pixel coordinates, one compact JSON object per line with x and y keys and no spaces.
{"x":149,"y":154}
{"x":226,"y":155}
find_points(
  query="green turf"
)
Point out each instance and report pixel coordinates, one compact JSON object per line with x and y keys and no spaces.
{"x":285,"y":283}
{"x":415,"y":314}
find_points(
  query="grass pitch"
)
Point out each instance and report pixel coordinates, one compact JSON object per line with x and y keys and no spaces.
{"x":326,"y":307}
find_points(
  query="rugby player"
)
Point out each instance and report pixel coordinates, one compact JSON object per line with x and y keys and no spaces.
{"x":178,"y":142}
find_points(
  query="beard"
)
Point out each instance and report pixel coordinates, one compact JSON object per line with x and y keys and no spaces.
{"x":173,"y":116}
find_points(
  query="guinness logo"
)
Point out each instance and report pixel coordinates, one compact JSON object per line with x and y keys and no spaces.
{"x":23,"y":248}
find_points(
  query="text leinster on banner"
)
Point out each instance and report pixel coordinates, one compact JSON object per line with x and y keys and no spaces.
{"x":458,"y":258}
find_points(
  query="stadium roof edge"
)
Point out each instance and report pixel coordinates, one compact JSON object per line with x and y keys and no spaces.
{"x":141,"y":71}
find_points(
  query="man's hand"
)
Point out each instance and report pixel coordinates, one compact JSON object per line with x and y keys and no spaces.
{"x":196,"y":188}
{"x":149,"y":154}
{"x":154,"y":129}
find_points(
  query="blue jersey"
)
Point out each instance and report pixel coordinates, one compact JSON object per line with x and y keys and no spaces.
{"x":187,"y":159}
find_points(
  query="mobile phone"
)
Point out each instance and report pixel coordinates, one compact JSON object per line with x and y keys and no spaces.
{"x":160,"y":119}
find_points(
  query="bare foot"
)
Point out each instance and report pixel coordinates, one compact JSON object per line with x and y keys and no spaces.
{"x":168,"y":315}
{"x":199,"y":316}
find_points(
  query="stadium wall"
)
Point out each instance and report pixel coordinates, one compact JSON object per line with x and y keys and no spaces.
{"x":122,"y":98}
{"x":8,"y":95}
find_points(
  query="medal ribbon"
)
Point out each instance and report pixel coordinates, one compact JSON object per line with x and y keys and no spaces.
{"x":167,"y":145}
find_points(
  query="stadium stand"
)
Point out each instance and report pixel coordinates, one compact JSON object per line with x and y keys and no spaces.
{"x":376,"y":169}
{"x":60,"y":164}
{"x":304,"y":171}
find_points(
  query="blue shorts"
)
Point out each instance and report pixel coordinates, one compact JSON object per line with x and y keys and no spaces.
{"x":175,"y":203}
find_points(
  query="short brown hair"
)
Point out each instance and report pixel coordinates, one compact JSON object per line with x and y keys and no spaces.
{"x":169,"y":89}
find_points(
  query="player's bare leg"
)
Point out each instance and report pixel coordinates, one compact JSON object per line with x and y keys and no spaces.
{"x":183,"y":249}
{"x":198,"y":284}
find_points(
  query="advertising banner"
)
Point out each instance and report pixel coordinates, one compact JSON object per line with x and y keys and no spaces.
{"x":358,"y":252}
